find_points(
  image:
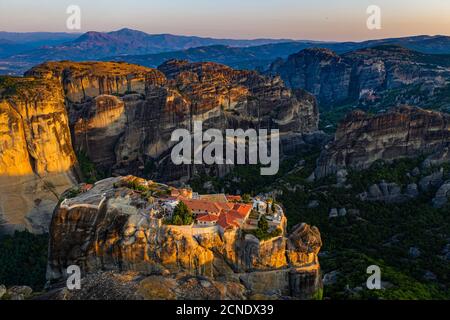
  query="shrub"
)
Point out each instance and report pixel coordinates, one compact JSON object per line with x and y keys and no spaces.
{"x":246,"y":198}
{"x":182,"y":215}
{"x":23,"y":259}
{"x":263,"y":224}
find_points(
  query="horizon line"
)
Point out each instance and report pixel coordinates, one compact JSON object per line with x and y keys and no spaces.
{"x":237,"y":39}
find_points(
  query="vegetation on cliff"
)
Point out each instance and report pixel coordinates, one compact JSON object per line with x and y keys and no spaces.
{"x":371,"y":233}
{"x":182,"y":215}
{"x":378,"y":233}
{"x":263,"y":232}
{"x":23,"y":259}
{"x":90,"y":172}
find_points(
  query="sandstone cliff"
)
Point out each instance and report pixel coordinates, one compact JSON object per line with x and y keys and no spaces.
{"x":37,"y":161}
{"x":109,"y":228}
{"x":403,"y":132}
{"x":122,"y":115}
{"x":82,"y":80}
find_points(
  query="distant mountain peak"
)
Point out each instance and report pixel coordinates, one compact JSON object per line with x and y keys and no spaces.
{"x":92,"y":36}
{"x":128,"y":32}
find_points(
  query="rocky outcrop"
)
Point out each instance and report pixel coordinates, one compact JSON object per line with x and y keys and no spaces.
{"x":433,"y":180}
{"x":37,"y":161}
{"x":122,"y":115}
{"x":403,"y":132}
{"x":304,"y":245}
{"x":319,"y":71}
{"x":442,"y":196}
{"x":109,"y":228}
{"x":15,"y":293}
{"x":437,"y":158}
{"x":83,"y":80}
{"x":389,"y":193}
{"x":362,"y":75}
{"x":135,"y":286}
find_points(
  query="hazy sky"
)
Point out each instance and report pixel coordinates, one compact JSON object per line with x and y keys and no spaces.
{"x":296,"y":19}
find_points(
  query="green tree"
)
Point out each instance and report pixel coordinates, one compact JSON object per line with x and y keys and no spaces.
{"x":263,"y":224}
{"x":246,"y":198}
{"x":188,"y":219}
{"x":182,"y":215}
{"x":23,"y":259}
{"x":177,"y":220}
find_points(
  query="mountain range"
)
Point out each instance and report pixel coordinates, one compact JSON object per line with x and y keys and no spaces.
{"x":73,"y":134}
{"x":260,"y":57}
{"x":12,"y":43}
{"x":20,"y":51}
{"x":33,"y":48}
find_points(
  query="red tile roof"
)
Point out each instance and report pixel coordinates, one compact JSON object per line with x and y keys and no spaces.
{"x":204,"y":206}
{"x":208,"y":217}
{"x":233,"y":214}
{"x":227,"y":214}
{"x":224,"y":205}
{"x":227,"y":221}
{"x":243,"y":209}
{"x":233,"y":198}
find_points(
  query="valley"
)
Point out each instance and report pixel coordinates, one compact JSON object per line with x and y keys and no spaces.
{"x":363,"y":176}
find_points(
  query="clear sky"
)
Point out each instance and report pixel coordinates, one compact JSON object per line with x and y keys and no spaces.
{"x":296,"y":19}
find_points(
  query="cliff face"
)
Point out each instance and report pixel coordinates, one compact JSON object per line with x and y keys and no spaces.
{"x":82,"y":80}
{"x":404,"y":132}
{"x":108,"y":228}
{"x":319,"y":71}
{"x":36,"y":157}
{"x":122,"y":115}
{"x":363,"y":75}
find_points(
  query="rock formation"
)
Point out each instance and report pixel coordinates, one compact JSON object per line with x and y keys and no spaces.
{"x":134,"y":286}
{"x":121,"y":116}
{"x":389,"y":193}
{"x":37,"y":161}
{"x":433,"y":180}
{"x":319,"y":71}
{"x":362,"y":75}
{"x":403,"y":132}
{"x":108,"y":228}
{"x":442,"y":195}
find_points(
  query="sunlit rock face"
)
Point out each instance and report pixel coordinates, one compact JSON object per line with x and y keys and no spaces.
{"x":37,"y":160}
{"x":108,"y":228}
{"x":362,"y":139}
{"x":122,"y":116}
{"x":83,"y":80}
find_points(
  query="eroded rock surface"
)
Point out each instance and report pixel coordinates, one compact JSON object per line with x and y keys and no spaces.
{"x":109,"y":228}
{"x":37,"y":161}
{"x":403,"y":132}
{"x":363,"y":75}
{"x":122,"y":115}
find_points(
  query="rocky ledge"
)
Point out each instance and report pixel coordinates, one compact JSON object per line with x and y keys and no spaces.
{"x":362,"y":139}
{"x":111,"y":228}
